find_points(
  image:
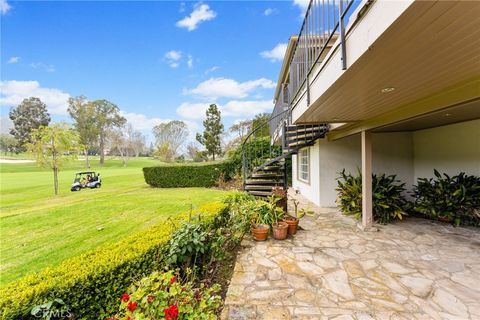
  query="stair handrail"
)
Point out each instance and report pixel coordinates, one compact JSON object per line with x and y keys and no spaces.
{"x":248,"y":138}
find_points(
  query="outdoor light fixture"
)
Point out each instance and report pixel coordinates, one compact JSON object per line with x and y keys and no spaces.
{"x":447,"y":114}
{"x":388,"y":89}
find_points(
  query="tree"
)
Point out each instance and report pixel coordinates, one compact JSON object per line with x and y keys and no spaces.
{"x":259,"y":120}
{"x":84,"y":117}
{"x":192,"y":150}
{"x":125,"y":140}
{"x":7,"y":143}
{"x":53,"y":146}
{"x":28,"y":115}
{"x":138,"y":142}
{"x":212,"y":135}
{"x":170,"y":137}
{"x":241,"y":128}
{"x":107,"y":116}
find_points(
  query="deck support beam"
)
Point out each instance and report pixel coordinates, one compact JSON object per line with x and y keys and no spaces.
{"x":367,"y":206}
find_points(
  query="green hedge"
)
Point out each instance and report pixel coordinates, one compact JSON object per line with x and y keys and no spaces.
{"x":89,"y":282}
{"x":184,"y":176}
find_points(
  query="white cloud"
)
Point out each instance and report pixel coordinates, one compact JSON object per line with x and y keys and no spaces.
{"x":233,"y":108}
{"x":13,"y":60}
{"x":43,"y":66}
{"x":193,"y":111}
{"x":276,"y":54}
{"x":173,"y":58}
{"x":4,"y":7}
{"x":302,"y":4}
{"x":5,"y":124}
{"x":212,"y":69}
{"x":190,"y":61}
{"x":237,"y":108}
{"x":142,"y":122}
{"x":222,"y":87}
{"x":269,"y":11}
{"x":201,"y":12}
{"x":13,"y":92}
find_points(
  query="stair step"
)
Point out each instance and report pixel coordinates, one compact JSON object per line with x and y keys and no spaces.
{"x":254,"y":187}
{"x":272,"y":168}
{"x":263,"y":181}
{"x":266,"y":175}
{"x":260,"y":193}
{"x":308,"y":136}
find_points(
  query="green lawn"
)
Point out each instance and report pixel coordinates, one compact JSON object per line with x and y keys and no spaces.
{"x":38,"y":229}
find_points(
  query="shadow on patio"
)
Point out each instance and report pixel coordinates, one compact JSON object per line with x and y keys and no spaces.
{"x":415,"y":269}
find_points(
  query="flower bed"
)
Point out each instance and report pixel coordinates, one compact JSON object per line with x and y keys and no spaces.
{"x":91,"y":283}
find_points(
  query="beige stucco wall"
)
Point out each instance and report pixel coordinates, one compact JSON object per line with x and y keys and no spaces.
{"x":450,"y":149}
{"x":409,"y":155}
{"x":392,"y":154}
{"x":310,"y":190}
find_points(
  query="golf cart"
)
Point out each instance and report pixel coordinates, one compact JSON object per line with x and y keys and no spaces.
{"x":86,"y":180}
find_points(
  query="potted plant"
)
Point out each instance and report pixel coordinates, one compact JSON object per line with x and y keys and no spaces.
{"x":260,"y":226}
{"x":279,"y":228}
{"x":293,"y":221}
{"x":281,"y":194}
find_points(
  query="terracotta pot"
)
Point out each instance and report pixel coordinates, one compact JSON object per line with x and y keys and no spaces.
{"x":260,"y":231}
{"x":292,"y":224}
{"x":280,"y":230}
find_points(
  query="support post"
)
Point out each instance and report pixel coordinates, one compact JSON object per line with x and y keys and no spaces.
{"x":367,"y":206}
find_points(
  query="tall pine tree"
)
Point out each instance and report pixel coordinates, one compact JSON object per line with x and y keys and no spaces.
{"x":211,"y":137}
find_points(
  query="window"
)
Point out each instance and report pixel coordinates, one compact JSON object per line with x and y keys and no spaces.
{"x":304,"y":165}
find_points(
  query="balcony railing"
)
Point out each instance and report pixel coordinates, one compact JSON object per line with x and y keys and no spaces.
{"x":281,"y":105}
{"x":324,"y":20}
{"x":322,"y":25}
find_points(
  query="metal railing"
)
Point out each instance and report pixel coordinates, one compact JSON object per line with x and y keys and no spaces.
{"x":281,"y":105}
{"x":323,"y":22}
{"x":322,"y":25}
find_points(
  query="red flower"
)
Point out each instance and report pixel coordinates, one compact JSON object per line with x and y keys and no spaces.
{"x":125,"y":297}
{"x":150,"y":299}
{"x":173,"y":279}
{"x":132,"y":306}
{"x":171,"y":312}
{"x":128,"y":318}
{"x":184,"y":289}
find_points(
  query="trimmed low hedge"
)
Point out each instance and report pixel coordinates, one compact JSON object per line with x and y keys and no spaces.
{"x":185,"y":176}
{"x":89,"y":282}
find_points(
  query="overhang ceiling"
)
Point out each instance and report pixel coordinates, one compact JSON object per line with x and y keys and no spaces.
{"x":433,"y":45}
{"x":459,"y":113}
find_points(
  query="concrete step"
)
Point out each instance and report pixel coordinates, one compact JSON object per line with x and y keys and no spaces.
{"x":264,"y":182}
{"x":260,"y":193}
{"x":254,"y":187}
{"x":273,"y":175}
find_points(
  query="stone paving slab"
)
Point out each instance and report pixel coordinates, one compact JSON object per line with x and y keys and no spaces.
{"x":415,"y":269}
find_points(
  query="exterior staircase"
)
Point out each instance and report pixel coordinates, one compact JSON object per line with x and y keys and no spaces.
{"x":269,"y":170}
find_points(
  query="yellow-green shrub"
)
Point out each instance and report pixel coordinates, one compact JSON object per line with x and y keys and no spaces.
{"x":96,"y":279}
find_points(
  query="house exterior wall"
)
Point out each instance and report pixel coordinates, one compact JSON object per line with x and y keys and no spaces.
{"x":310,"y":190}
{"x":392,"y":154}
{"x":450,"y":149}
{"x":409,"y":155}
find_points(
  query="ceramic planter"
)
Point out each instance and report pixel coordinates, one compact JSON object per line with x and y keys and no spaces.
{"x":260,"y":232}
{"x":280,"y":230}
{"x":292,"y":224}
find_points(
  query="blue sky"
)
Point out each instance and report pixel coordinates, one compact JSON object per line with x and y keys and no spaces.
{"x":156,"y":60}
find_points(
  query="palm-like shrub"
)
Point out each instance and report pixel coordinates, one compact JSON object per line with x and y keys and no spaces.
{"x":388,"y":201}
{"x":455,"y":199}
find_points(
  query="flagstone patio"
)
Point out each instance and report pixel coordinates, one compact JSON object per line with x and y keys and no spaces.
{"x":415,"y":269}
